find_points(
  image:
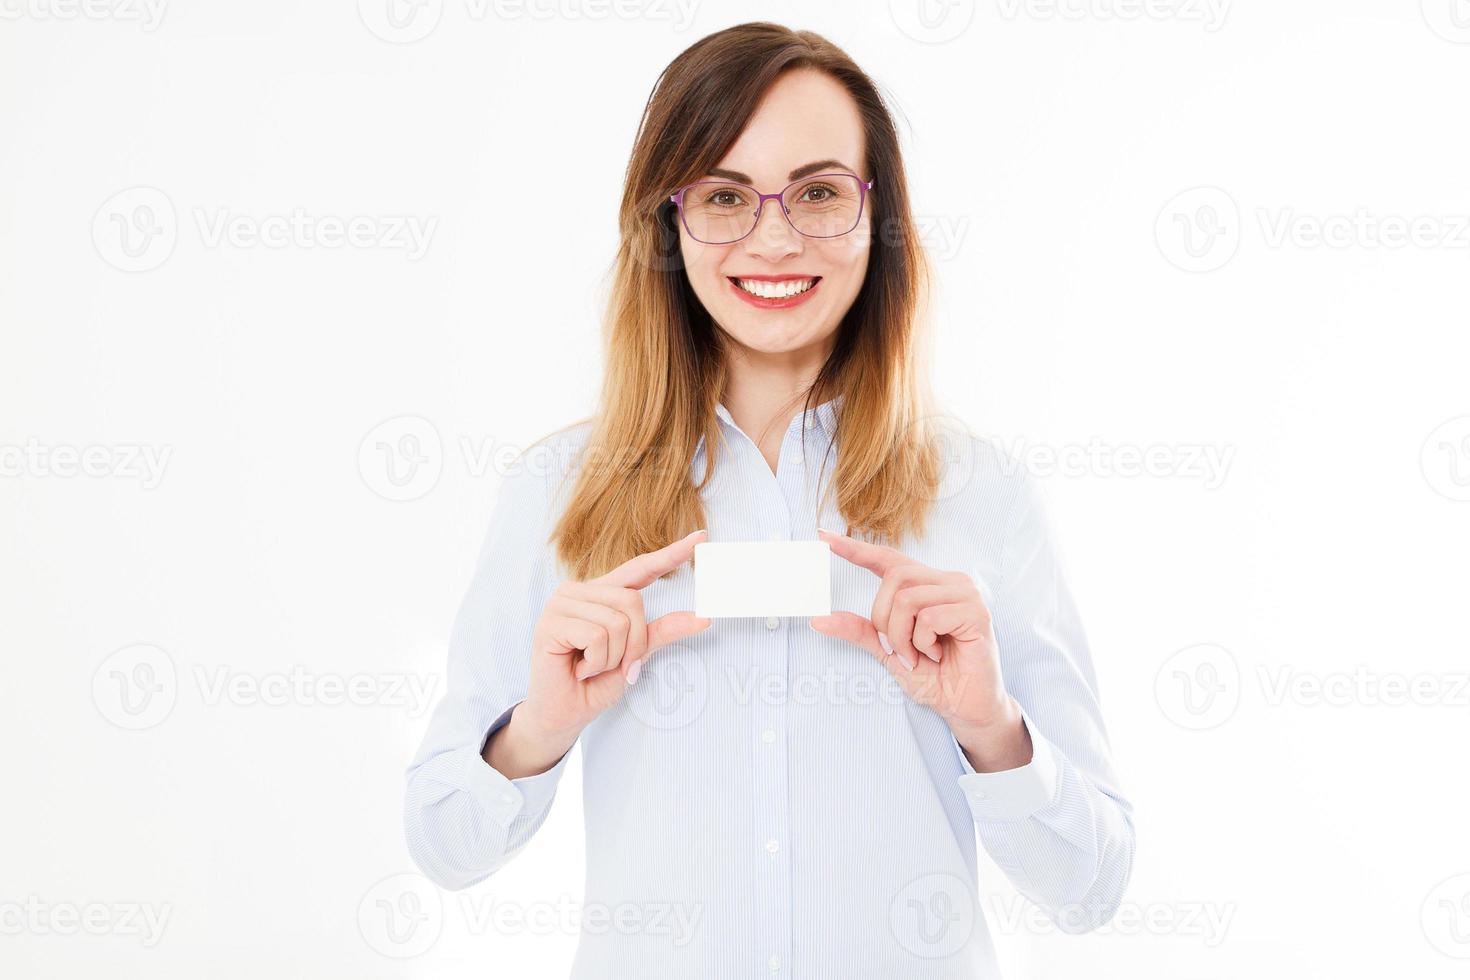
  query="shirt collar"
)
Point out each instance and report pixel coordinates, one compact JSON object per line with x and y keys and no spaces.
{"x":823,"y":415}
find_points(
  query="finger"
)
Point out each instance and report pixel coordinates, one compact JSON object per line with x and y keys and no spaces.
{"x":572,"y":635}
{"x":941,"y":619}
{"x":897,"y":631}
{"x":856,"y":629}
{"x":876,"y":558}
{"x":912,"y":601}
{"x":627,"y":601}
{"x":642,"y":570}
{"x":668,"y":628}
{"x":615,"y":626}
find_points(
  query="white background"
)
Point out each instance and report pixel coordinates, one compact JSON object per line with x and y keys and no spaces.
{"x":1298,"y":814}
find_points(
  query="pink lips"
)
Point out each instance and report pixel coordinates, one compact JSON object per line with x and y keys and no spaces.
{"x":785,"y":302}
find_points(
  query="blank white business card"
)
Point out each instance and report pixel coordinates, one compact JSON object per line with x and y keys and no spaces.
{"x":762,"y":578}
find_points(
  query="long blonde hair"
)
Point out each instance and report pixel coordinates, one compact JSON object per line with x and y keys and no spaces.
{"x":665,"y":361}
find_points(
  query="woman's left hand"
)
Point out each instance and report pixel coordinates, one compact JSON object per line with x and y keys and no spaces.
{"x":932,"y":631}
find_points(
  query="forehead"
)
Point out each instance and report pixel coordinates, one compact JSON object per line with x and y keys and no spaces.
{"x":805,"y":116}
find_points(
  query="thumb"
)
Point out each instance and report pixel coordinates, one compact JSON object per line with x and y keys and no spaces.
{"x":855,"y":629}
{"x":673,"y":627}
{"x":668,"y":628}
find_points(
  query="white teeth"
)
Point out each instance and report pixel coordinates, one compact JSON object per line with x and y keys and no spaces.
{"x":775,"y":290}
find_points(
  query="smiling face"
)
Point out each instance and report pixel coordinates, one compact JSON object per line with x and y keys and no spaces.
{"x":807,"y":124}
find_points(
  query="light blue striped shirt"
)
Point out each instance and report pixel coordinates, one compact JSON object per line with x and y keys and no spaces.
{"x":765,"y":801}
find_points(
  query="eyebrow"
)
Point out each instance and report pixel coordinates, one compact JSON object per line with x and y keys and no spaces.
{"x":800,"y":172}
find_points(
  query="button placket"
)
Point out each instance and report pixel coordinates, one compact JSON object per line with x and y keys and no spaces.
{"x":768,"y":735}
{"x":772,"y":805}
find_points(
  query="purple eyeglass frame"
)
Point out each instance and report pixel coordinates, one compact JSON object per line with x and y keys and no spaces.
{"x":760,"y":203}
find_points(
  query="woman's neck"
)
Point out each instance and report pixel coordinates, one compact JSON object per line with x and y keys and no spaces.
{"x":763,"y":392}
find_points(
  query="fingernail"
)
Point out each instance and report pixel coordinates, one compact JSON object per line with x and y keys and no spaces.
{"x":634,"y":671}
{"x":883,"y":642}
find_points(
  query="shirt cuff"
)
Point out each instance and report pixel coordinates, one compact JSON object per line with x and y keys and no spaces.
{"x":502,"y":798}
{"x":1012,"y":794}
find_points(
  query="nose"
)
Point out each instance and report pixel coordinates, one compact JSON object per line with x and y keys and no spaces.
{"x":773,"y":238}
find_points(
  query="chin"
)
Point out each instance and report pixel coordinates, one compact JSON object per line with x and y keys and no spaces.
{"x":768,"y":339}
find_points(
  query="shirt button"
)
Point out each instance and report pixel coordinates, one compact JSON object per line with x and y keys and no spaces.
{"x":774,"y":962}
{"x":773,"y":845}
{"x":772,"y":622}
{"x":768,"y":736}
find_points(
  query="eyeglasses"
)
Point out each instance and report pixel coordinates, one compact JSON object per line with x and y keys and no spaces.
{"x":719,"y":212}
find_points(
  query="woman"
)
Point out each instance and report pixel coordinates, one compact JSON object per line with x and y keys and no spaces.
{"x":772,"y":797}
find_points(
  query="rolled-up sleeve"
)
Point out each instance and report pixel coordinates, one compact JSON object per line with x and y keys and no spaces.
{"x":1059,"y":827}
{"x":463,"y":819}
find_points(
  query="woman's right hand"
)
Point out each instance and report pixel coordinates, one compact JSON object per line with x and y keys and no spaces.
{"x":587,"y":648}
